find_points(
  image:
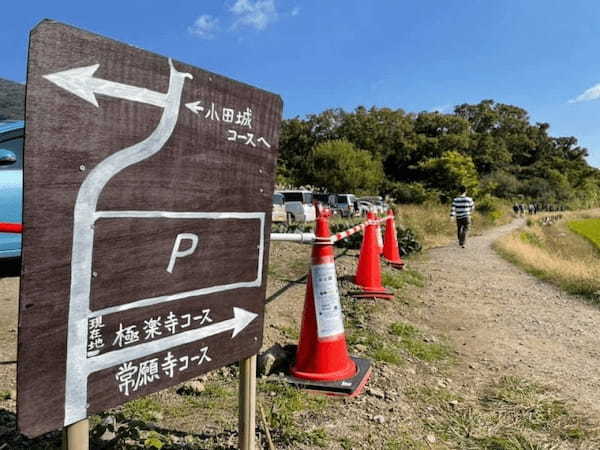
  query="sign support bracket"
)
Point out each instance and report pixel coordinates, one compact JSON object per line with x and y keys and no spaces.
{"x":247,"y":406}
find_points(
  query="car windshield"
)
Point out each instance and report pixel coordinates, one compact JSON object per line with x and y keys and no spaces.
{"x":302,"y":197}
{"x":277,"y":199}
{"x":341,"y":199}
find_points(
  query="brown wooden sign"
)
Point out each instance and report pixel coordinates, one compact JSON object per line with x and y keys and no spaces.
{"x":147,"y":212}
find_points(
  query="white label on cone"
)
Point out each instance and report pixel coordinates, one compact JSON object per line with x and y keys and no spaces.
{"x":328,"y":309}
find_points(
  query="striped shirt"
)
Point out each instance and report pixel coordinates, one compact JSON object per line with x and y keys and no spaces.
{"x":462,"y":207}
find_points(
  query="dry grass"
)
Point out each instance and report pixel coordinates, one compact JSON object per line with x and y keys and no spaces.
{"x":555,"y":254}
{"x":434,"y":228}
{"x":509,"y":414}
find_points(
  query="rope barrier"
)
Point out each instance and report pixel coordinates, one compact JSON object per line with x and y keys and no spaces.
{"x":310,"y":237}
{"x":11,"y":228}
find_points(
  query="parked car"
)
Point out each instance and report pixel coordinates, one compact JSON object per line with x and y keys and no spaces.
{"x":346,"y":203}
{"x":299,"y":206}
{"x":380,"y":206}
{"x":327,"y":200}
{"x":364,"y":207}
{"x":278,"y":213}
{"x":11,"y":184}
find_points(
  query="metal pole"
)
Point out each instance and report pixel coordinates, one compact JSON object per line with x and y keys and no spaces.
{"x":77,"y":436}
{"x":247,"y":419}
{"x":293,"y":237}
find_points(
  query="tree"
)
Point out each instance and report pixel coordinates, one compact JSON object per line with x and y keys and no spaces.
{"x":489,"y":141}
{"x":450,"y":172}
{"x":341,"y":167}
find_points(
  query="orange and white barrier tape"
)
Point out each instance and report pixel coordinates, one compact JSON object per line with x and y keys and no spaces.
{"x":310,"y":237}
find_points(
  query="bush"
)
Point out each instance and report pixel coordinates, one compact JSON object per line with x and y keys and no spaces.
{"x":410,"y":193}
{"x":490,"y":206}
{"x":407,"y":241}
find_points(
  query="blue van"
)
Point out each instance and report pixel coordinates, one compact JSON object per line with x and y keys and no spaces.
{"x":11,"y":184}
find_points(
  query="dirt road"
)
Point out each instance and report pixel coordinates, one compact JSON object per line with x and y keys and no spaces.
{"x":505,"y":321}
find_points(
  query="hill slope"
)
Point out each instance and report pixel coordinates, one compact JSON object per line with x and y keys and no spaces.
{"x":12,"y":100}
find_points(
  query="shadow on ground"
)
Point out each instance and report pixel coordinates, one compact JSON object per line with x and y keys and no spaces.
{"x":130,"y":434}
{"x":11,"y":439}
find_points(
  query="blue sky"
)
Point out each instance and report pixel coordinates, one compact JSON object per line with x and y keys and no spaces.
{"x":537,"y":54}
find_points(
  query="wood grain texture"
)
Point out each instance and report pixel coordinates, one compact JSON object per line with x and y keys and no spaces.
{"x":198,"y":170}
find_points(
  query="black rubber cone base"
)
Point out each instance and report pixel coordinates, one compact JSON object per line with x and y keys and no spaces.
{"x":384,"y":294}
{"x":350,"y":387}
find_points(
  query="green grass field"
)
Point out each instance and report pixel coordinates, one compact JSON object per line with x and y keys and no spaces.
{"x":588,"y":228}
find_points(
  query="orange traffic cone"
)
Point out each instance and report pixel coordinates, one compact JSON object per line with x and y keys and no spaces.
{"x":391,"y":252}
{"x":368,"y":273}
{"x":322,"y":359}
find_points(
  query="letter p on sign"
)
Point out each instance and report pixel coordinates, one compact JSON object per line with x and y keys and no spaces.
{"x":178,"y":253}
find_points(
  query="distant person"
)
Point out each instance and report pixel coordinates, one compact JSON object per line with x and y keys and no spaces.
{"x":516,"y":209}
{"x":531,"y":209}
{"x":521,"y":209}
{"x":462,"y":206}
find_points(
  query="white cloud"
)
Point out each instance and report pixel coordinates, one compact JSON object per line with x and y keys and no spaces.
{"x":295,"y":11}
{"x":257,"y":14}
{"x":589,"y":94}
{"x":204,"y":27}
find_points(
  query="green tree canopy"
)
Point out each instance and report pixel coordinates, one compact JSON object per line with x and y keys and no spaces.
{"x":512,"y":157}
{"x":341,"y":167}
{"x":450,"y":172}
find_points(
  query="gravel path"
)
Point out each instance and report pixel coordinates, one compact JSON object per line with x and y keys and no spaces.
{"x":506,"y":322}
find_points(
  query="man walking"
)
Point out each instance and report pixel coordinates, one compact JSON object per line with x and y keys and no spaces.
{"x":462,"y":206}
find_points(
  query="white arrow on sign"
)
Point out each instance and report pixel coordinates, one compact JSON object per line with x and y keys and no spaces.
{"x":81,"y":82}
{"x":194,"y":107}
{"x":241,"y":319}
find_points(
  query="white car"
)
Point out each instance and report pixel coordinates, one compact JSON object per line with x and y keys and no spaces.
{"x":377,"y":202}
{"x":364,"y":207}
{"x":299,"y":206}
{"x":278,"y":213}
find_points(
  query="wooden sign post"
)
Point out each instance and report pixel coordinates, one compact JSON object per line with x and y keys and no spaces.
{"x":247,"y":407}
{"x":147,"y":212}
{"x":77,"y":436}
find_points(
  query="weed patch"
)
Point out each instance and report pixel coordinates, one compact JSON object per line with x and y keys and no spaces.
{"x":214,"y":395}
{"x":531,"y":238}
{"x":510,"y":414}
{"x":398,"y":279}
{"x":287,"y":404}
{"x":145,"y":409}
{"x":291,"y":333}
{"x":412,"y":341}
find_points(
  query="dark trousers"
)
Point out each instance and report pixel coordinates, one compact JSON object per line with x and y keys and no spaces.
{"x":462,"y":226}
